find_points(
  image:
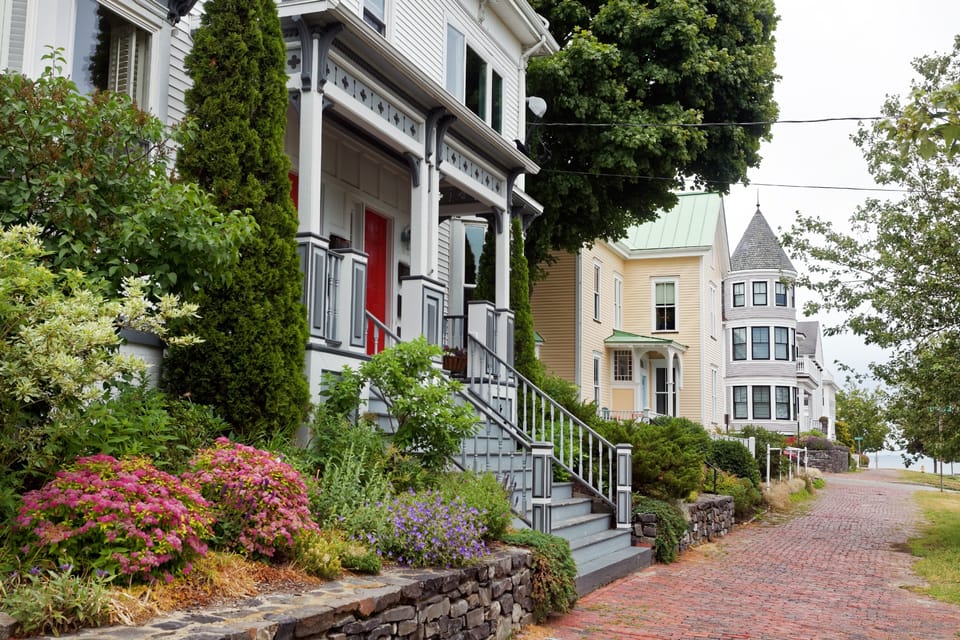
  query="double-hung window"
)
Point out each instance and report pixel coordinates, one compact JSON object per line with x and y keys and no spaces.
{"x":617,"y":302}
{"x":596,"y":379}
{"x":760,"y":294}
{"x":596,"y":291}
{"x":761,"y":403}
{"x":665,"y":306}
{"x":739,"y":294}
{"x":472,"y":81}
{"x":740,"y":343}
{"x":780,"y":294}
{"x":783,"y":403}
{"x":740,"y":403}
{"x":760,"y":338}
{"x":781,"y":343}
{"x":110,"y":53}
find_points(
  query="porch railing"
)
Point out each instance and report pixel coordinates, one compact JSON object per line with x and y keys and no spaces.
{"x":597,"y":463}
{"x":750,"y":443}
{"x":383,"y":337}
{"x":645,"y":415}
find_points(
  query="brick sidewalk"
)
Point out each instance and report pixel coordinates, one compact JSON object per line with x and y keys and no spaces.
{"x":832,"y":573}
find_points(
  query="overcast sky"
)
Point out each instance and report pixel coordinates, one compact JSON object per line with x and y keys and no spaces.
{"x":836,"y":59}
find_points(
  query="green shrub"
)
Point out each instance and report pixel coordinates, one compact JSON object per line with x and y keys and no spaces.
{"x":482,"y":492}
{"x":746,"y":497}
{"x":554,"y":573}
{"x":668,"y":455}
{"x":349,"y":492}
{"x":733,"y":457}
{"x":358,"y":557}
{"x":318,"y":553}
{"x":671,"y":525}
{"x":55,"y":601}
{"x":816,"y":443}
{"x":764,"y":438}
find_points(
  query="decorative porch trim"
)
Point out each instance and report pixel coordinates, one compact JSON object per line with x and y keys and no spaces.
{"x":413,"y":163}
{"x":176,"y":9}
{"x":542,"y":501}
{"x":471,"y":168}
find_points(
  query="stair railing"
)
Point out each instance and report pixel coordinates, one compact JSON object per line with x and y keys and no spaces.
{"x":599,"y":465}
{"x":383,"y":337}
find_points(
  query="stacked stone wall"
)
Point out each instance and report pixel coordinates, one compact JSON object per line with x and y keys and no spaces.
{"x":709,"y":517}
{"x":489,"y":600}
{"x":829,"y":460}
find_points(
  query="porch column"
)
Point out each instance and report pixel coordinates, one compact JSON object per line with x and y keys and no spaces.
{"x":542,"y":502}
{"x":504,"y":343}
{"x":671,"y":406}
{"x":624,"y":496}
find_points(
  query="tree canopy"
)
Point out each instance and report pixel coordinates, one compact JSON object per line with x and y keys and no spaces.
{"x":627,"y":92}
{"x":863,"y":412}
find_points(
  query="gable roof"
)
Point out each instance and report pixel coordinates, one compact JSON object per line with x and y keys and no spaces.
{"x":811,"y":336}
{"x":634,"y":339}
{"x":690,"y":224}
{"x":759,"y":248}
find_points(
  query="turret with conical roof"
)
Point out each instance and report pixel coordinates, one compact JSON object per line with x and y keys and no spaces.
{"x":760,"y":249}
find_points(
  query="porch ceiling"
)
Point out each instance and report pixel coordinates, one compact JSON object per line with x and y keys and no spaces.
{"x":402,"y":77}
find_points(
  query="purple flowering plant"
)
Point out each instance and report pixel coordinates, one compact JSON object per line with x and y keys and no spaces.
{"x":260,"y":501}
{"x":124,"y":517}
{"x":426,"y":530}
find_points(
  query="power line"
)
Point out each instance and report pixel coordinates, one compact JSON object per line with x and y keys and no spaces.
{"x":716,"y":182}
{"x":698,"y":125}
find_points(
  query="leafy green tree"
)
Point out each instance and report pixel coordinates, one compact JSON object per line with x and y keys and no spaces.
{"x":893,"y":270}
{"x":251,"y":364}
{"x":863,"y":412}
{"x":626,"y":93}
{"x":91,"y":173}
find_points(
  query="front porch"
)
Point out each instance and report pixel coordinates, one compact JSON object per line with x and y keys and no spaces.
{"x":647,"y":376}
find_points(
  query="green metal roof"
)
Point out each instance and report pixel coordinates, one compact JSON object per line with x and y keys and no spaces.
{"x":627,"y":338}
{"x":692,"y":223}
{"x":537,"y":338}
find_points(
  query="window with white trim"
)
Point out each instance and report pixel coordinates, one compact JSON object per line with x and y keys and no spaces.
{"x":739,"y":342}
{"x":596,"y":378}
{"x":761,"y":403}
{"x":739,"y":294}
{"x":781,"y":343}
{"x":617,"y":302}
{"x":665,"y":306}
{"x":713,"y":311}
{"x":375,"y":15}
{"x":110,"y":53}
{"x":714,"y":391}
{"x":740,"y":403}
{"x":760,"y":293}
{"x":760,"y":343}
{"x":783,"y":403}
{"x":623,"y":366}
{"x":472,"y":81}
{"x":780,"y":294}
{"x":596,"y":291}
{"x":13,"y":27}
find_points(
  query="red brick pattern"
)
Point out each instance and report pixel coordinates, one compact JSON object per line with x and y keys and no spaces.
{"x":832,"y":573}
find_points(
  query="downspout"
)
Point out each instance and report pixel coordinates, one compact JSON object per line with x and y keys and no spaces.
{"x":522,"y":86}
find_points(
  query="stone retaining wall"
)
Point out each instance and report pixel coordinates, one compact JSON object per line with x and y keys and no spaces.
{"x":489,"y":600}
{"x":709,"y":517}
{"x":829,"y":460}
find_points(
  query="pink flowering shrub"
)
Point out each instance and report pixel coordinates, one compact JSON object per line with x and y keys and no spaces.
{"x":261,"y":502}
{"x":121,"y":516}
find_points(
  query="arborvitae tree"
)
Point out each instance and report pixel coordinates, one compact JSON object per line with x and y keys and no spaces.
{"x":524,"y":348}
{"x":251,"y":365}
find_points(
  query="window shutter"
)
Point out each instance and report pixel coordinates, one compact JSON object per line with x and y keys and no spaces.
{"x":127,"y":58}
{"x":13,"y":26}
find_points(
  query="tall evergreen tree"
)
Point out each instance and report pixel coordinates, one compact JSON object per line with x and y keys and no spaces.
{"x":251,"y":365}
{"x":524,"y":347}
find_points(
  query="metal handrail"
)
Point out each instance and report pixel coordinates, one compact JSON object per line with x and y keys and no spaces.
{"x":379,"y":328}
{"x":578,"y":449}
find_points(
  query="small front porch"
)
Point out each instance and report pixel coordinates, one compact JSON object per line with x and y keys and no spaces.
{"x":646,"y":378}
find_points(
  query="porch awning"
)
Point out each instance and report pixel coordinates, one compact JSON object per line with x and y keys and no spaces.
{"x":626,"y":339}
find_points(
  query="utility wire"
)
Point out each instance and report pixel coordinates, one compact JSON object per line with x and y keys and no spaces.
{"x":752,"y":184}
{"x":697,"y":125}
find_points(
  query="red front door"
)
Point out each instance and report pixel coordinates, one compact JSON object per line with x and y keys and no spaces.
{"x":375,"y":238}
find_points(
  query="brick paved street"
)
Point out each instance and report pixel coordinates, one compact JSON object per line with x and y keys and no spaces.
{"x":831,"y":573}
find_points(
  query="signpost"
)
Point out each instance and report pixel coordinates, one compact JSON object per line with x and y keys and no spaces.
{"x":940,"y":411}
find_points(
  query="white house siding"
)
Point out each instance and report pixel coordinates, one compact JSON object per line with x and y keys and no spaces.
{"x":419,"y":31}
{"x":179,"y":82}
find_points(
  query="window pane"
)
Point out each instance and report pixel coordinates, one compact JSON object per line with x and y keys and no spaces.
{"x":374,"y":15}
{"x":781,"y":337}
{"x":623,"y":366}
{"x":783,"y":403}
{"x":759,"y":294}
{"x":761,"y":403}
{"x":475,"y":89}
{"x":455,"y":62}
{"x":110,"y":54}
{"x":781,"y":294}
{"x":739,"y":294}
{"x":761,"y":343}
{"x":740,"y":343}
{"x":740,"y":403}
{"x":666,"y":310}
{"x":496,"y":103}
